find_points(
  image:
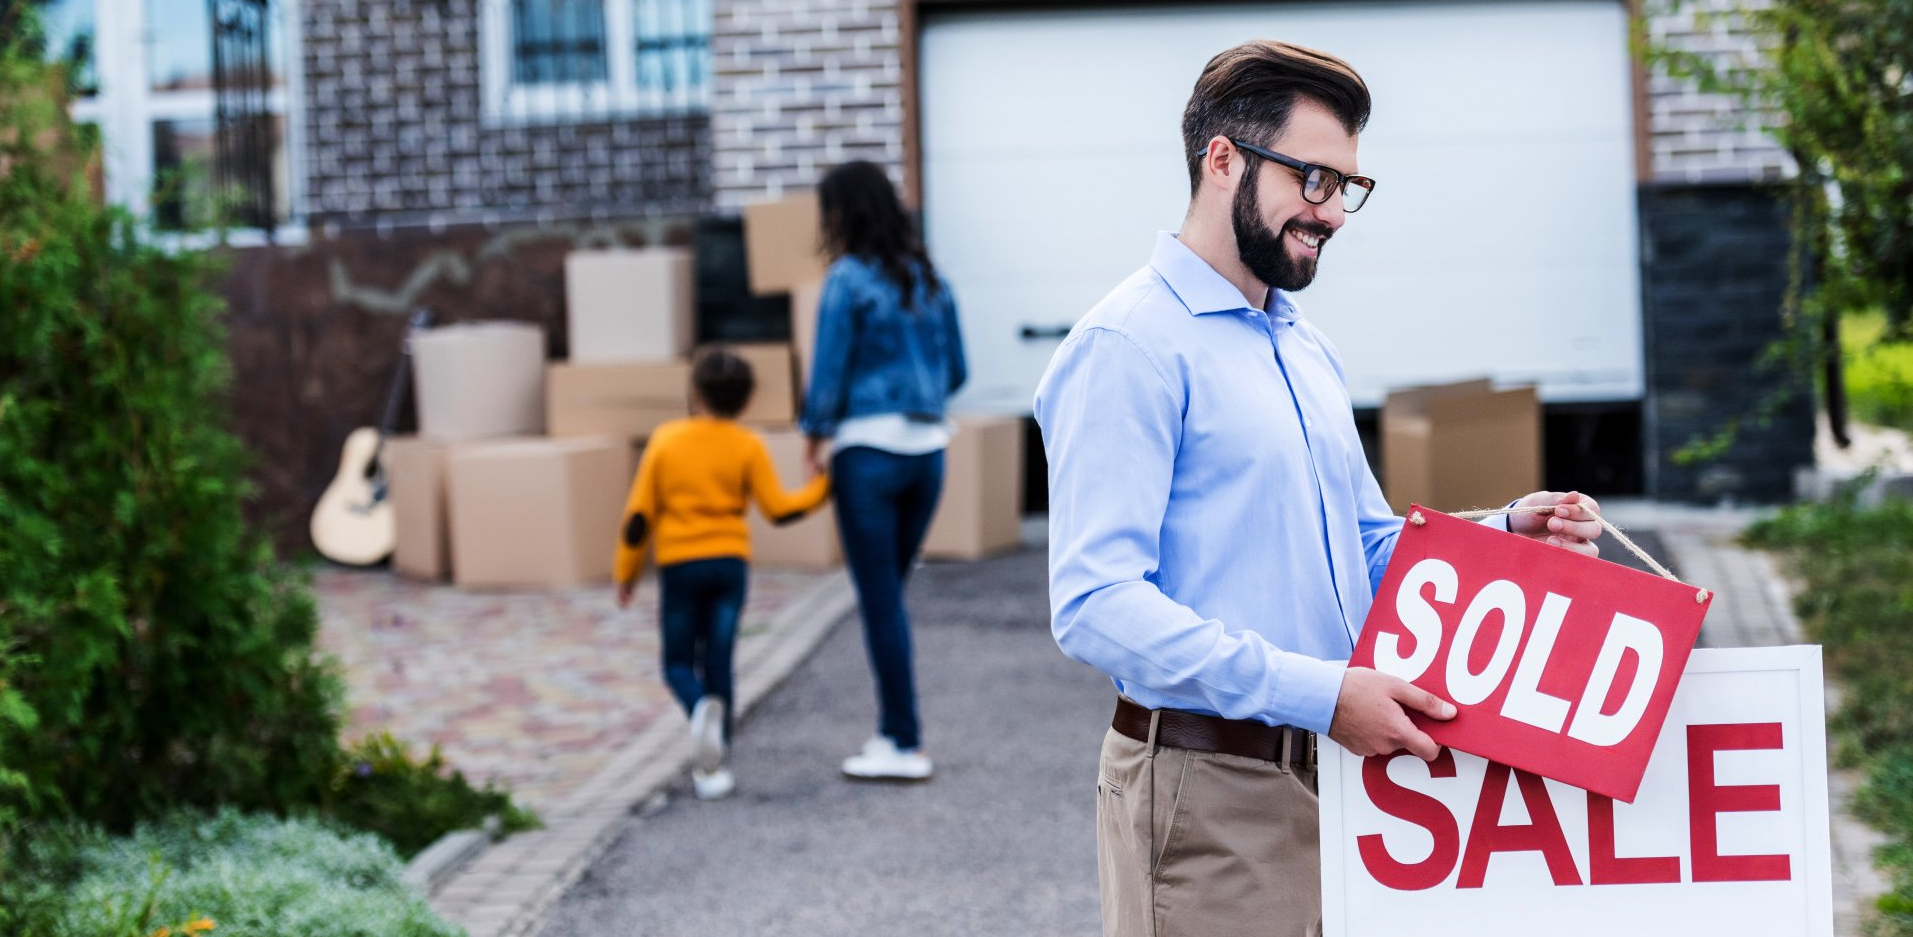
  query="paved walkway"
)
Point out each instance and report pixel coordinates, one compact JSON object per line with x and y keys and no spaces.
{"x":558,"y":695}
{"x":535,"y":690}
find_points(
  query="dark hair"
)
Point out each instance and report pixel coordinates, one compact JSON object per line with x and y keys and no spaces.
{"x":723,"y":382}
{"x":1250,"y":91}
{"x":862,"y":216}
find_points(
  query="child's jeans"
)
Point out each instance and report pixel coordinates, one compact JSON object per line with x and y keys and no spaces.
{"x":700,"y":606}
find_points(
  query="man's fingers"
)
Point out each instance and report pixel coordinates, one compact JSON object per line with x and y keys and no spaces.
{"x":1421,"y":746}
{"x":1424,"y":702}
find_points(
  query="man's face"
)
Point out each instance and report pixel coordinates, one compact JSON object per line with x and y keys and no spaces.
{"x":1279,"y":234}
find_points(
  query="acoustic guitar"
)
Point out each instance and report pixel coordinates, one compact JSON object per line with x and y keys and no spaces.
{"x":353,"y":522}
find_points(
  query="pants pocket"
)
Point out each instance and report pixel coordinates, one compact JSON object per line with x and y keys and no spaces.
{"x":1172,"y":784}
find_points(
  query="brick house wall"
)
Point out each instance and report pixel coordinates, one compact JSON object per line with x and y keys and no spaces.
{"x":396,"y":131}
{"x":801,"y":86}
{"x":1698,"y":137}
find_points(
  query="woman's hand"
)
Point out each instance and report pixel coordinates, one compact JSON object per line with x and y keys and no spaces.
{"x":625,"y":589}
{"x":816,"y":456}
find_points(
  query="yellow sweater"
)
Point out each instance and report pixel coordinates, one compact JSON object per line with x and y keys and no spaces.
{"x":690,"y":493}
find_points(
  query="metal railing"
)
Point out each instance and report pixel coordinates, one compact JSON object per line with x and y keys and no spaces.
{"x":245,"y":128}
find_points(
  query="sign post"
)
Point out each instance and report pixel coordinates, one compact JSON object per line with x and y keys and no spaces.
{"x":1728,"y":835}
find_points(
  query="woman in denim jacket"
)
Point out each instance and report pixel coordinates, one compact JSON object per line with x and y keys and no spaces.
{"x":888,"y":355}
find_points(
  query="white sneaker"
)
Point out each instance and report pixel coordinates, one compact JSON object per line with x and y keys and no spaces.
{"x":707,"y":734}
{"x":881,"y":759}
{"x":713,"y":785}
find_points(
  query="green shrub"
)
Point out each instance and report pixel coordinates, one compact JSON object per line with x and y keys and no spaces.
{"x":154,"y":654}
{"x":1855,"y":569}
{"x":381,"y":788}
{"x":242,"y":875}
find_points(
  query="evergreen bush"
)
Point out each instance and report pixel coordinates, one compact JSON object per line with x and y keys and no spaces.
{"x":152,"y":654}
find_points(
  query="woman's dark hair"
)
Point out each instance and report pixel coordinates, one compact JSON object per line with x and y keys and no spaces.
{"x":723,"y":382}
{"x":863,"y":217}
{"x":1248,"y":92}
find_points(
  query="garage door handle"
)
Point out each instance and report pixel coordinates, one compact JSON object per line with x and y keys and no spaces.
{"x":1054,"y":331}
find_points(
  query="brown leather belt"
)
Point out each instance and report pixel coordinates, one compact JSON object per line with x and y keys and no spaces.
{"x":1197,"y":732}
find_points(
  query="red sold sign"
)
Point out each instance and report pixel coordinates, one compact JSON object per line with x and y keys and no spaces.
{"x":1559,"y":664}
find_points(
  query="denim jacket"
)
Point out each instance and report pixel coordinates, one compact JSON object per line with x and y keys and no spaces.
{"x":873,"y":356}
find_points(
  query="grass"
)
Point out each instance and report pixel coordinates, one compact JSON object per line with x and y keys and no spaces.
{"x":1855,"y":569}
{"x":1879,"y":375}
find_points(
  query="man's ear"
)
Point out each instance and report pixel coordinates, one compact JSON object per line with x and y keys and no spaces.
{"x":1221,"y":164}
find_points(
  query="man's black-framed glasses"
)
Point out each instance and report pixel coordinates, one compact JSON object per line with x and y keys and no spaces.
{"x":1319,"y":181}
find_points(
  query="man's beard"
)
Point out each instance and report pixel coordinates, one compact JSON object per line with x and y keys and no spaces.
{"x":1262,"y":250}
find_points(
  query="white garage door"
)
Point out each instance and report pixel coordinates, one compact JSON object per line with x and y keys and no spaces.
{"x":1501,"y":240}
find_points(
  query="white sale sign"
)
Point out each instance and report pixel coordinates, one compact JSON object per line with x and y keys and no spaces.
{"x":1728,"y":835}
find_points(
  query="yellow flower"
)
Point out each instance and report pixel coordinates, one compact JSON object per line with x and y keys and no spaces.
{"x":163,"y":931}
{"x":203,"y":924}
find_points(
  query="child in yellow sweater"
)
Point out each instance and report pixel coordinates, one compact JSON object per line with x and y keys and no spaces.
{"x":688,"y":504}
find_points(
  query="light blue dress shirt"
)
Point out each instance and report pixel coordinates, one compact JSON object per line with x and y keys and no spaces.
{"x":1216,"y":536}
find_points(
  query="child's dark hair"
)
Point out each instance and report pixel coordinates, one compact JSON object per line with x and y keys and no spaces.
{"x":723,"y":382}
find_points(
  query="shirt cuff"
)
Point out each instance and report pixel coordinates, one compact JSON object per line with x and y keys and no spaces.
{"x":1499,"y":521}
{"x":1312,"y":686}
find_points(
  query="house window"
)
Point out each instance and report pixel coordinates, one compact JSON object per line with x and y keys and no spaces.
{"x":146,"y":85}
{"x":557,"y":61}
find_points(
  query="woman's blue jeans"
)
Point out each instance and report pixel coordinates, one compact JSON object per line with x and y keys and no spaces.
{"x":700,"y":604}
{"x":884,"y":503}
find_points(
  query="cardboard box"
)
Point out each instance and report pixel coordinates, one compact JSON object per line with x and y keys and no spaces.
{"x":537,"y":513}
{"x":630,"y":305}
{"x":415,"y":484}
{"x":774,"y":402}
{"x":629,"y":401}
{"x":807,"y":544}
{"x":981,"y":510}
{"x":783,"y":243}
{"x":1453,"y":447}
{"x":804,"y":301}
{"x":479,"y":380}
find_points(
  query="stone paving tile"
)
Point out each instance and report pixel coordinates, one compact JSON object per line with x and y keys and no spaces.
{"x":532,"y":689}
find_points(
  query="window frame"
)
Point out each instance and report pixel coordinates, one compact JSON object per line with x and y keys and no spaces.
{"x":127,"y":107}
{"x":507,"y":103}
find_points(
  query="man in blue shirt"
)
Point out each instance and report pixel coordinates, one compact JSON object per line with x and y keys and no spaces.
{"x":1216,"y":537}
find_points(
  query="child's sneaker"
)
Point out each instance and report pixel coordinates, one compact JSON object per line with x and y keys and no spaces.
{"x":881,"y":759}
{"x":707,"y":734}
{"x":713,"y":785}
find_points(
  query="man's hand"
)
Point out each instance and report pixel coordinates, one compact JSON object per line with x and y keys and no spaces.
{"x":624,"y":592}
{"x":1572,"y":525}
{"x":1371,"y":715}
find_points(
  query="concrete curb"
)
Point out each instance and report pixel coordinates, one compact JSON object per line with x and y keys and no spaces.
{"x":504,"y":891}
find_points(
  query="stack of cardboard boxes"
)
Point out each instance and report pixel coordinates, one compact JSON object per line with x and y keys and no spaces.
{"x":480,"y":494}
{"x":1454,"y":447}
{"x":981,"y":509}
{"x":518,"y":475}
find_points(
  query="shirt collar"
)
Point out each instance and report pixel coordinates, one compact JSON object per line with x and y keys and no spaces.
{"x":1201,"y":289}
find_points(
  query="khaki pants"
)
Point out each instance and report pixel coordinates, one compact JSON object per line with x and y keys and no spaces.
{"x":1205,"y":845}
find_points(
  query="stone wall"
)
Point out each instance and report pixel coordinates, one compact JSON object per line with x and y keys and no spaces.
{"x":1714,"y":275}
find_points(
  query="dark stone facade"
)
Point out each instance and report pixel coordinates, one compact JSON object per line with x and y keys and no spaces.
{"x":1714,"y":266}
{"x":395,"y":130}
